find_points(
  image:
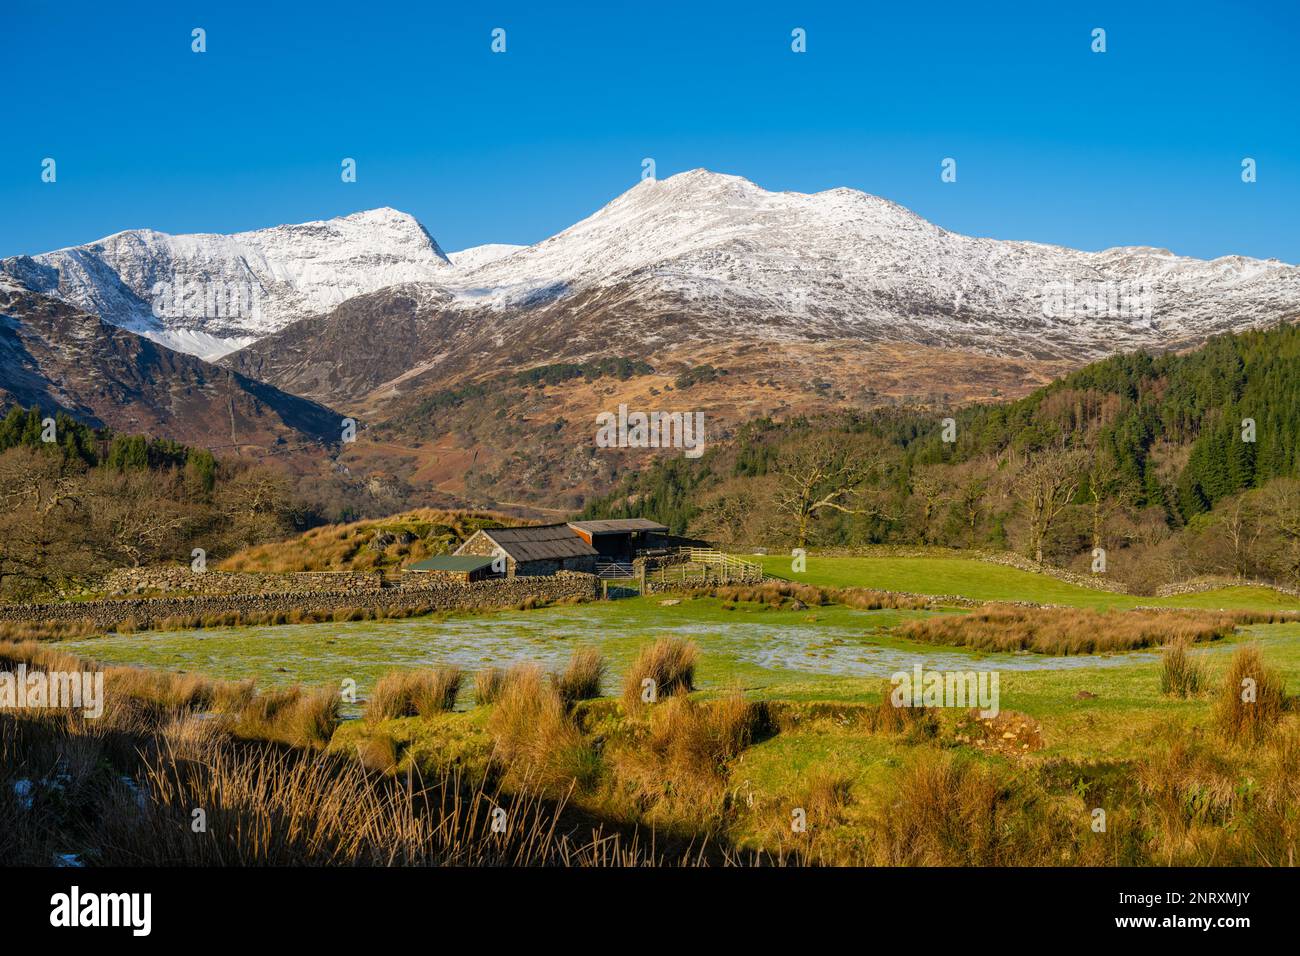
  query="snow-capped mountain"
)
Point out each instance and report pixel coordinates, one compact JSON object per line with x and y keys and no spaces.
{"x":844,"y":264}
{"x":210,"y":294}
{"x":475,"y":256}
{"x":697,"y":258}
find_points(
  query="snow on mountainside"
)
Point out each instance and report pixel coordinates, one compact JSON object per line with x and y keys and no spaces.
{"x":700,"y":257}
{"x":209,"y":294}
{"x":476,"y":256}
{"x":841,"y":263}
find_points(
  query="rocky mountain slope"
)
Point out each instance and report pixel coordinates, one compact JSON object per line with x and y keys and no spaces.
{"x":765,"y":303}
{"x":739,"y":260}
{"x":703,"y":260}
{"x":696,"y":257}
{"x":58,"y":357}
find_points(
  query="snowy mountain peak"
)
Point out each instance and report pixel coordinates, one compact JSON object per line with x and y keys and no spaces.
{"x":718,"y":256}
{"x":741,"y":260}
{"x":207,"y":293}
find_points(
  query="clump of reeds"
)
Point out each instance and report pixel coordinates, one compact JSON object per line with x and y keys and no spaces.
{"x":535,"y":735}
{"x":1253,"y":698}
{"x":917,"y":722}
{"x":1181,"y":675}
{"x":581,"y":677}
{"x":414,"y":693}
{"x":699,"y":738}
{"x":1071,"y":630}
{"x":661,"y":670}
{"x":488,"y":684}
{"x":292,"y":715}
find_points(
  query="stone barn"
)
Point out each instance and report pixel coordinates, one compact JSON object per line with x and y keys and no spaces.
{"x":454,"y":567}
{"x":620,"y":539}
{"x":542,"y":549}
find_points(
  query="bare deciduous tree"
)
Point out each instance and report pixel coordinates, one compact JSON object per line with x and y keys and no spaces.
{"x":1108,"y":492}
{"x":820,"y":476}
{"x":1045,"y":486}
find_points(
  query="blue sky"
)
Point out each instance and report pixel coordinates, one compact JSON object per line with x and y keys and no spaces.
{"x":1141,"y":145}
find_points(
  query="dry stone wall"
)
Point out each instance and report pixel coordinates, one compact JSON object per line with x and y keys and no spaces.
{"x":435,"y":595}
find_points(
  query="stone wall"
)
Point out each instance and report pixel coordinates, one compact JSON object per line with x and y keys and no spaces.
{"x":167,"y":579}
{"x":1197,"y":585}
{"x":445,"y":595}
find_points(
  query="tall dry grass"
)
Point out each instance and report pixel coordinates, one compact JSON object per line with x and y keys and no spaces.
{"x":917,"y":723}
{"x":127,"y":796}
{"x":668,"y":664}
{"x":414,"y":693}
{"x":488,"y":684}
{"x":582,"y":676}
{"x":1181,"y":675}
{"x":700,"y":738}
{"x":1071,"y":630}
{"x":536,"y":736}
{"x":1252,"y":700}
{"x":293,"y":715}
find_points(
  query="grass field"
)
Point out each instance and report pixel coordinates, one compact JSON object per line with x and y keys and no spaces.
{"x":985,"y":581}
{"x":1086,"y":731}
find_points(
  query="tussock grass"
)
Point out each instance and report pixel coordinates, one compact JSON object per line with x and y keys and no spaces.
{"x":1252,"y":700}
{"x":917,"y":723}
{"x":378,"y":752}
{"x":947,"y":810}
{"x":488,"y":684}
{"x":669,"y":663}
{"x":1187,"y":785}
{"x":124,"y":796}
{"x":536,"y":737}
{"x":292,"y":715}
{"x":1180,"y":674}
{"x":18,"y":631}
{"x":699,"y":738}
{"x":581,"y":677}
{"x":825,"y":795}
{"x":1072,"y":630}
{"x":414,"y":693}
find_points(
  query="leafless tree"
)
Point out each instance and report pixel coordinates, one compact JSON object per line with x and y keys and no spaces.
{"x":1045,"y":486}
{"x":1108,"y":492}
{"x":931,"y":487}
{"x":820,"y":476}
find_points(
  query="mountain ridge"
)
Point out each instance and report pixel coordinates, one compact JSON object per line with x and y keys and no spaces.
{"x":830,"y":264}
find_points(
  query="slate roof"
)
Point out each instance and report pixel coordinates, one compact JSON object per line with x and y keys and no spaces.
{"x":618,"y":525}
{"x":540,"y":543}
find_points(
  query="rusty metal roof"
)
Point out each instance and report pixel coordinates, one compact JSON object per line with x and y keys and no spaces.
{"x":618,"y":525}
{"x":540,"y":543}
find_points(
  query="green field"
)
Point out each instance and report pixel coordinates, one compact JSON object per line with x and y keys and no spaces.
{"x":1097,"y":719}
{"x":985,"y":581}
